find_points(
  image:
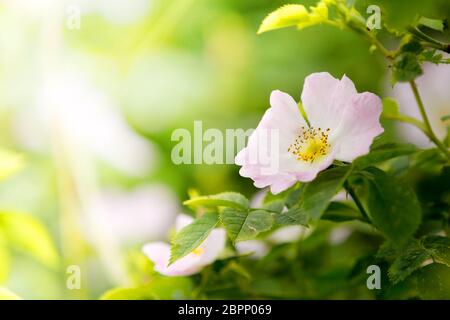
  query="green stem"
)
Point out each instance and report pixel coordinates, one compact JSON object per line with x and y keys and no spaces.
{"x":389,"y":55}
{"x":406,"y":119}
{"x":358,"y":203}
{"x":428,"y":129}
{"x":333,"y":23}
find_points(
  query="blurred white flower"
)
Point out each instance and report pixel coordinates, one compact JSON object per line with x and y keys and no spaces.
{"x":289,"y":234}
{"x":433,"y":87}
{"x":339,"y":235}
{"x":144,"y":214}
{"x":87,"y":118}
{"x":203,"y":255}
{"x":255,"y":248}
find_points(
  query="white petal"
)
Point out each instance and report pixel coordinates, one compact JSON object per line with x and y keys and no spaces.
{"x":182,"y":221}
{"x":324,"y":98}
{"x":158,"y":253}
{"x":256,"y":248}
{"x":288,"y":234}
{"x":213,"y":246}
{"x":285,"y":113}
{"x":359,"y":126}
{"x":282,"y":184}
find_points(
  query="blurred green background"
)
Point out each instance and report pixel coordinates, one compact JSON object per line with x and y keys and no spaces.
{"x":91,"y":110}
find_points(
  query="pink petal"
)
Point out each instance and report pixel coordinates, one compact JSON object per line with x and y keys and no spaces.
{"x":324,"y":98}
{"x":284,"y":120}
{"x":329,"y":103}
{"x":285,"y":112}
{"x":213,"y":246}
{"x":285,"y":117}
{"x":182,"y":221}
{"x":359,"y":126}
{"x":158,"y":253}
{"x":282,"y":184}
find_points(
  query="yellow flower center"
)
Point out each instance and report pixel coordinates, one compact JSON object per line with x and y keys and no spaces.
{"x":310,"y":144}
{"x":198,"y":251}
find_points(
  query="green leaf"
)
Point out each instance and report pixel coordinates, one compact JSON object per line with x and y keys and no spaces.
{"x":6,"y":294}
{"x":293,"y":197}
{"x":318,"y":193}
{"x":410,"y":259}
{"x":294,"y":15}
{"x":225,"y":199}
{"x":390,"y":107}
{"x":274,"y":206}
{"x":294,"y":216}
{"x":340,"y":212}
{"x":245,"y":225}
{"x":392,"y":205}
{"x":10,"y":163}
{"x":412,"y":255}
{"x":427,"y":159}
{"x":289,"y":197}
{"x":29,"y":235}
{"x":406,"y":67}
{"x":191,"y":236}
{"x":387,"y":251}
{"x":167,"y":288}
{"x":439,"y":248}
{"x":285,"y":16}
{"x":433,"y":281}
{"x":435,"y":24}
{"x":433,"y":56}
{"x":359,"y":268}
{"x":383,"y":153}
{"x":412,"y":46}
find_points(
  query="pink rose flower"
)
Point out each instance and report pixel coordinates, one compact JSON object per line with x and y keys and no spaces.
{"x":203,"y":255}
{"x":285,"y":149}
